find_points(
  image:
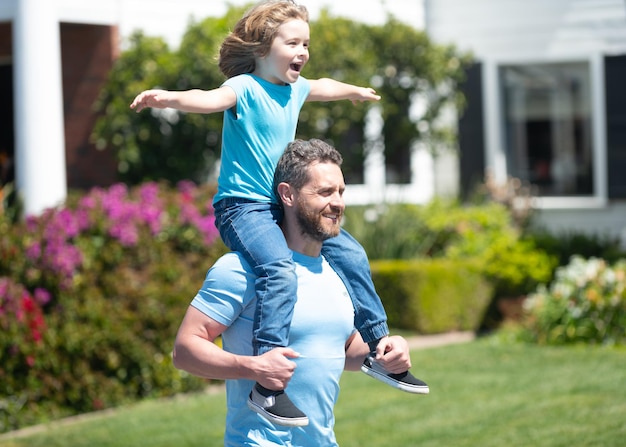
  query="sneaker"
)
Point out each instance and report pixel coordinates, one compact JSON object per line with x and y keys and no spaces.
{"x":405,"y":381}
{"x":276,"y":407}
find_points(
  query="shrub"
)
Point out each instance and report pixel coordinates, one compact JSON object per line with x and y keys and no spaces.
{"x":22,"y":328}
{"x":585,"y":303}
{"x":91,"y":295}
{"x":483,"y":233}
{"x":393,"y":231}
{"x":564,"y":245}
{"x":432,"y":296}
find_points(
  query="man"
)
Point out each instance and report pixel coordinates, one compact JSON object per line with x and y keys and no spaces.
{"x":323,"y":342}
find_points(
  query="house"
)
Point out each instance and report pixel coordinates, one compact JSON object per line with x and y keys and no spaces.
{"x":546,"y":103}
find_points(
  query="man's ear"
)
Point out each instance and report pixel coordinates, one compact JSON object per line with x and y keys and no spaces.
{"x":285,"y":193}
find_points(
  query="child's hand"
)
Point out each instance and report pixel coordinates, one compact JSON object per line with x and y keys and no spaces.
{"x":150,"y":98}
{"x":366,"y":94}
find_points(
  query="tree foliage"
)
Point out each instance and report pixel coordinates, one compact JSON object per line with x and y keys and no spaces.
{"x":416,"y":78}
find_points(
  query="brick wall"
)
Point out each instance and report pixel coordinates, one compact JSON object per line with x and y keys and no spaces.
{"x":88,"y":53}
{"x":6,"y":40}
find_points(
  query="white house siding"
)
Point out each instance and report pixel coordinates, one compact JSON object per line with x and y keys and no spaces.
{"x":535,"y":31}
{"x":502,"y":29}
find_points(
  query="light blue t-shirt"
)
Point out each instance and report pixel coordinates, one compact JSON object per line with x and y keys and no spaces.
{"x":323,"y":320}
{"x":255,"y":134}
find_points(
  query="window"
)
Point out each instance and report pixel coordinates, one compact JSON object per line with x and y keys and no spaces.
{"x":548,"y":126}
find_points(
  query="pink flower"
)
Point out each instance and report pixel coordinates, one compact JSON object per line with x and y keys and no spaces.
{"x":42,"y":296}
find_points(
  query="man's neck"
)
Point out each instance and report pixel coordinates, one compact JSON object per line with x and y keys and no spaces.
{"x":300,"y":243}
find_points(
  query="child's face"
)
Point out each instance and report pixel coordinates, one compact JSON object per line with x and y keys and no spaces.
{"x":288,"y":54}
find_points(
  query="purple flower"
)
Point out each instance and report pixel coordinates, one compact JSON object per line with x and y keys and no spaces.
{"x":62,"y":223}
{"x":62,"y":257}
{"x":186,"y":186}
{"x":33,"y":252}
{"x":42,"y":296}
{"x":125,"y":232}
{"x":205,"y":224}
{"x":151,"y":207}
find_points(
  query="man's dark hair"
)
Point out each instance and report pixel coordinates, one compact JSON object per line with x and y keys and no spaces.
{"x":293,"y":166}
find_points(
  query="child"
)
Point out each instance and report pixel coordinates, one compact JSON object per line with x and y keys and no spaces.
{"x":261,"y":99}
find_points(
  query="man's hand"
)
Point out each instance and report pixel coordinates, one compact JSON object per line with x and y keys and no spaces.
{"x":393,"y":354}
{"x":274,"y":369}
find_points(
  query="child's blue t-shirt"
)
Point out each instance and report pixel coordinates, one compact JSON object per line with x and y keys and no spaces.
{"x":255,"y":134}
{"x":323,"y":321}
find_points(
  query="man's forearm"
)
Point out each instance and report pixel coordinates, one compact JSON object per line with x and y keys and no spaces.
{"x":203,"y":358}
{"x":356,"y":351}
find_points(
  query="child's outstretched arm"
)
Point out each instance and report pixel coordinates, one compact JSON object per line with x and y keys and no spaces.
{"x":194,"y":101}
{"x":327,"y":89}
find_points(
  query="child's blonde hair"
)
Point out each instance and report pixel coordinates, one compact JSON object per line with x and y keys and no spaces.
{"x":254,"y":33}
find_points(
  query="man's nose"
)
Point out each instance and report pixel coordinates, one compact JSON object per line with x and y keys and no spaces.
{"x":337,"y":201}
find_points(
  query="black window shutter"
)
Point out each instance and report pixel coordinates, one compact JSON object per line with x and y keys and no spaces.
{"x":615,"y":84}
{"x":471,"y":134}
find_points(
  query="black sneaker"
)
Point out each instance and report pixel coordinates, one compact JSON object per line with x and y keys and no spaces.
{"x":405,"y":381}
{"x":276,"y":407}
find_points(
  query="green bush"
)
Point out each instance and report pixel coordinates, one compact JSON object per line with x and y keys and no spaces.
{"x":432,"y":296}
{"x":564,"y":245}
{"x":484,"y":233}
{"x":585,"y":303}
{"x":91,"y":295}
{"x":394,"y":231}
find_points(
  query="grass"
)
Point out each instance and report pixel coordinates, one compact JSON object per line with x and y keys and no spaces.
{"x":483,"y":393}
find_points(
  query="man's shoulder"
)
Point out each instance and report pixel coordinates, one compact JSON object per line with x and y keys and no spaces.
{"x":232,"y":261}
{"x":229,"y":276}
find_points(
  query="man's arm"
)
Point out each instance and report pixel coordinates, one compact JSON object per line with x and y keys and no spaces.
{"x":392,"y":353}
{"x":193,"y":101}
{"x":327,"y":89}
{"x":196,"y":353}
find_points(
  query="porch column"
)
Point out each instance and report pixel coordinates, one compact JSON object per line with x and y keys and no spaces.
{"x":38,"y":102}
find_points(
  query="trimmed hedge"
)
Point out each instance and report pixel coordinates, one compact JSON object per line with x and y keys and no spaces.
{"x":432,"y":296}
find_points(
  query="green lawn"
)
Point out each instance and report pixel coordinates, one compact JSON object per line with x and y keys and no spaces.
{"x":482,"y":394}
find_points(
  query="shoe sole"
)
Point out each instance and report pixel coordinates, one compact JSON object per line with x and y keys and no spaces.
{"x":383,"y":378}
{"x":287,"y":422}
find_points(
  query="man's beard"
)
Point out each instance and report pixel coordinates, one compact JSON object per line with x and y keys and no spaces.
{"x":311,"y":224}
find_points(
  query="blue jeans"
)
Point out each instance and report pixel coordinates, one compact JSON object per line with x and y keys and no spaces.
{"x":252,"y":229}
